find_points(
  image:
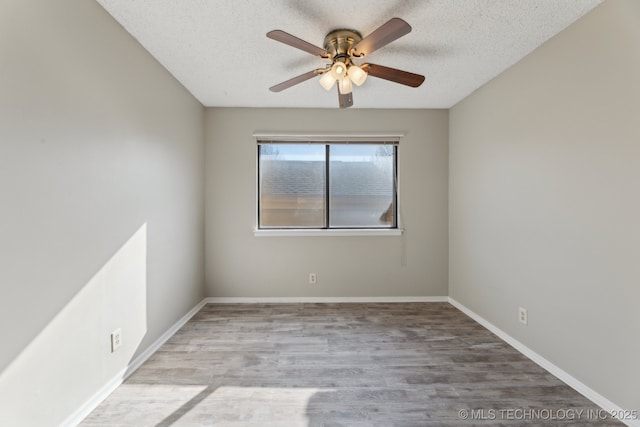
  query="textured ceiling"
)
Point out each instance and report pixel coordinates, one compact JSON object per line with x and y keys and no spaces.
{"x":218,"y":49}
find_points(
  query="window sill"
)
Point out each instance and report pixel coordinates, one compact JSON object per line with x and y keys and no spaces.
{"x":352,"y":232}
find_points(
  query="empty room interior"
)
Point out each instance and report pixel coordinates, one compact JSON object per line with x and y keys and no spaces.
{"x":447,"y":235}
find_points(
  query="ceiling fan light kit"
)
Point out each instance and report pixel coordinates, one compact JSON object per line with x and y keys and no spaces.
{"x":342,"y":47}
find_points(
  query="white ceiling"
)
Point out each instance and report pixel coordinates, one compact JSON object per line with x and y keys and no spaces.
{"x":218,"y":49}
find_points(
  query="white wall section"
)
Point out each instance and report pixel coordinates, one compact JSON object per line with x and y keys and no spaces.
{"x":544,"y":201}
{"x":242,"y":265}
{"x":101,"y":204}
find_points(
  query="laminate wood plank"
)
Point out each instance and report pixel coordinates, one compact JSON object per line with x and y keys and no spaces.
{"x":373,"y":364}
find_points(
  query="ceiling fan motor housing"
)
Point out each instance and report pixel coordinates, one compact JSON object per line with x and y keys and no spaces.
{"x":340,"y":42}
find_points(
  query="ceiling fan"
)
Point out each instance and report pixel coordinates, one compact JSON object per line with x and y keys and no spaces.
{"x":343,"y":47}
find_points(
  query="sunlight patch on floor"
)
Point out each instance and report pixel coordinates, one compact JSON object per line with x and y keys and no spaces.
{"x":169,"y":404}
{"x":256,"y":403}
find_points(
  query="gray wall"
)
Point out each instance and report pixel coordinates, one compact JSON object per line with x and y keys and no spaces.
{"x":241,"y":265}
{"x":544,"y":201}
{"x":101,"y":204}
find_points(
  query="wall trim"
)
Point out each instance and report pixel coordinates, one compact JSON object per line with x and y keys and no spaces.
{"x":559,"y":373}
{"x":327,"y":232}
{"x":92,"y":403}
{"x":322,"y":136}
{"x":286,"y":300}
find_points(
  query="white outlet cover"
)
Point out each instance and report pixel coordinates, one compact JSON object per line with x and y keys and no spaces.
{"x":116,"y":339}
{"x":522,"y":315}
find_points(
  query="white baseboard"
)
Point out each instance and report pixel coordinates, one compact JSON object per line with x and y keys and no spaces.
{"x":276,"y":300}
{"x":138,"y":361}
{"x":83,"y":411}
{"x":562,"y":375}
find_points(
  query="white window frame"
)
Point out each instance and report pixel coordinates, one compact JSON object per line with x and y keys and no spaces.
{"x":328,"y":138}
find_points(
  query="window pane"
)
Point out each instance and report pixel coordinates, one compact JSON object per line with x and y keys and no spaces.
{"x":362,"y":188}
{"x":292,"y":186}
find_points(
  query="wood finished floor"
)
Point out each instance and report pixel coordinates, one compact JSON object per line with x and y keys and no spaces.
{"x":377,"y":364}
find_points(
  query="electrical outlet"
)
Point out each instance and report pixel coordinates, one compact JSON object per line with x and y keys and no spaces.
{"x":116,"y":339}
{"x":522,"y":315}
{"x":312,"y":278}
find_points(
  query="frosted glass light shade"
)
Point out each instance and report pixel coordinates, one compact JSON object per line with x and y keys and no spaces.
{"x":345,"y":85}
{"x":327,"y":80}
{"x":339,"y":70}
{"x":357,"y":75}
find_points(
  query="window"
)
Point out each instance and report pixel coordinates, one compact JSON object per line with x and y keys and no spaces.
{"x":327,"y":185}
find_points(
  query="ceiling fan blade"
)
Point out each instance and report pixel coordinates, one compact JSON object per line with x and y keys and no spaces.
{"x":345,"y":99}
{"x":294,"y":41}
{"x":391,"y":30}
{"x":294,"y":81}
{"x":394,"y":75}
